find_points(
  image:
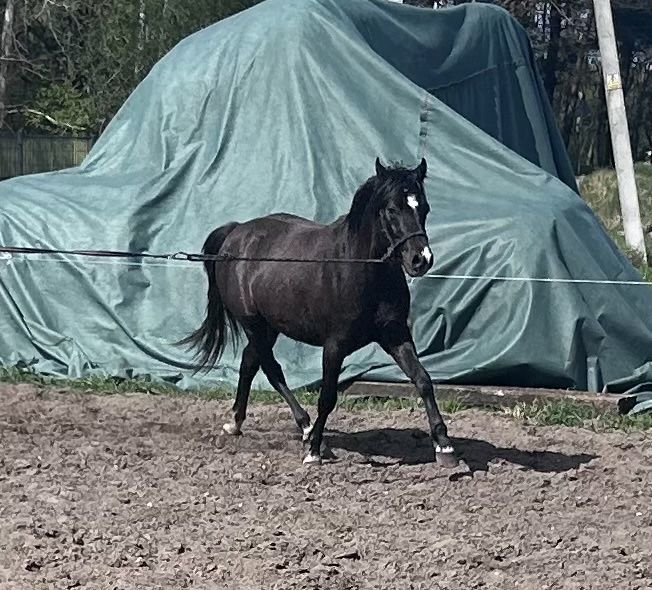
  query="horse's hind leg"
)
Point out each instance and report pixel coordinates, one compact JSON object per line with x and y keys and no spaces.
{"x":249,"y":366}
{"x":264,"y":339}
{"x":331,"y":364}
{"x":274,"y":374}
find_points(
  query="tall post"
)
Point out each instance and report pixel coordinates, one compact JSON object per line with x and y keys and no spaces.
{"x":620,"y":141}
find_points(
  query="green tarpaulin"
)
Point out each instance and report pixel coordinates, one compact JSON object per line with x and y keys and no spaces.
{"x":284,"y":107}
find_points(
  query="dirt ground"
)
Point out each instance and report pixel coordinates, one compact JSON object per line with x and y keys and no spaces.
{"x":139,"y":491}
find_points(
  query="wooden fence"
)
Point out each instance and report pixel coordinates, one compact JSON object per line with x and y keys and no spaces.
{"x":26,"y":153}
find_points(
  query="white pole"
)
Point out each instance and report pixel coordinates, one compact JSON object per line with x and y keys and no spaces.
{"x":619,"y":129}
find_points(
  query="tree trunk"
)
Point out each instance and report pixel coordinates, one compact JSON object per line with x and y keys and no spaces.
{"x":569,"y":114}
{"x":140,"y":43}
{"x":625,"y":58}
{"x":636,"y":113}
{"x":6,"y":43}
{"x":552,"y":57}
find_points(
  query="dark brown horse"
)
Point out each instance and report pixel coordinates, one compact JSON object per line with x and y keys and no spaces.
{"x":339,"y":303}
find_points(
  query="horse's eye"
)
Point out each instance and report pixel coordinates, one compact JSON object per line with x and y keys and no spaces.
{"x":406,"y":190}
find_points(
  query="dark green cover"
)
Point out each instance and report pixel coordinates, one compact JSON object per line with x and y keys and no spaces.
{"x":284,"y":107}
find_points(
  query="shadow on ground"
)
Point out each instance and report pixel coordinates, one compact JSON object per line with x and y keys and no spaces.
{"x":412,"y":446}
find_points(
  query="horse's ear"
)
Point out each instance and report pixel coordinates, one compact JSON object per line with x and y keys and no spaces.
{"x":421,"y":169}
{"x":380,"y":169}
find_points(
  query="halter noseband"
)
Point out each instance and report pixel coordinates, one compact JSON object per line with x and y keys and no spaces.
{"x":392,"y":248}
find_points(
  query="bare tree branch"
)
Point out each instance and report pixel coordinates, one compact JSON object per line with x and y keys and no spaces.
{"x":47,"y":117}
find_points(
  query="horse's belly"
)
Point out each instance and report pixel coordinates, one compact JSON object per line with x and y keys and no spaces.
{"x":297,"y":319}
{"x":301,"y":333}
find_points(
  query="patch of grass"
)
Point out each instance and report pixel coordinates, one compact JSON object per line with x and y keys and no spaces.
{"x":354,"y":403}
{"x":646,"y":271}
{"x":452,"y":406}
{"x":573,"y":413}
{"x":94,"y":384}
{"x":543,"y":413}
{"x":600,"y":190}
{"x":112,"y":386}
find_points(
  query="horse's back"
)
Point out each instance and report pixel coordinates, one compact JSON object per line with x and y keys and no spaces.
{"x":278,"y":232}
{"x":292,"y":220}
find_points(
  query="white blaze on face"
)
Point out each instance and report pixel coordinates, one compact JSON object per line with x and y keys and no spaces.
{"x":427,"y":254}
{"x":412,"y":201}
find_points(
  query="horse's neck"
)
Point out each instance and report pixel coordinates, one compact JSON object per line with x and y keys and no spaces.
{"x":365,"y":242}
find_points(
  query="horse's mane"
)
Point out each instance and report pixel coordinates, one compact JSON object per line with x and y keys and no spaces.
{"x":361,"y":200}
{"x":369,"y":197}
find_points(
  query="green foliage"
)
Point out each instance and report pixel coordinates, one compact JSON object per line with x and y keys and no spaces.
{"x":80,"y":60}
{"x":68,"y":106}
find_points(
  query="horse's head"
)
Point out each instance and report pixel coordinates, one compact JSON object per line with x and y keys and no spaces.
{"x":403,"y":209}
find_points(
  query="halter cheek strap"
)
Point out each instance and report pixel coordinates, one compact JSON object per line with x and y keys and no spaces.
{"x":393,"y":247}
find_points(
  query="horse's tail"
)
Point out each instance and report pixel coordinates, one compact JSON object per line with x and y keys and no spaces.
{"x":210,"y":337}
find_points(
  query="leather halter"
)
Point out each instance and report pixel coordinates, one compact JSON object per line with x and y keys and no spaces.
{"x":393,"y":247}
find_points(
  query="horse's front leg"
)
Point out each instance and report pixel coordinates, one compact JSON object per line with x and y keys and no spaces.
{"x":399,"y":344}
{"x":332,"y":365}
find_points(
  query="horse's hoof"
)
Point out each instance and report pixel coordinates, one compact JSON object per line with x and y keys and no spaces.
{"x":446,"y":457}
{"x":312,"y":459}
{"x":232,"y":429}
{"x":307,"y":431}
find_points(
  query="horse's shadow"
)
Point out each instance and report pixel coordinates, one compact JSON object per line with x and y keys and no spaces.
{"x":412,"y":446}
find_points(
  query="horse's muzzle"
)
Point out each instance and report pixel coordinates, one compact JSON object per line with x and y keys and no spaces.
{"x":416,"y":263}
